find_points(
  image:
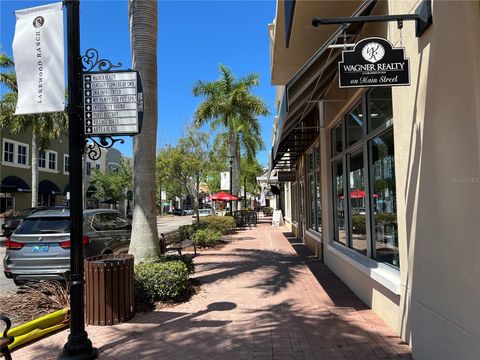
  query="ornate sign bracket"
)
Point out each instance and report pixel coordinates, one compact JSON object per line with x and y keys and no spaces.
{"x":93,"y":145}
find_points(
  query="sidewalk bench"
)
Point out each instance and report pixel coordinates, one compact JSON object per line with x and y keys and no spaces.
{"x":5,"y":339}
{"x":173,"y":243}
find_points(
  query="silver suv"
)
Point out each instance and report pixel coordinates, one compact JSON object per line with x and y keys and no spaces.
{"x":39,"y":249}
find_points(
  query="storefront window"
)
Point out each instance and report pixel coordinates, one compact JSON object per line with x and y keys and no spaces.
{"x":384,"y":202}
{"x":339,"y":199}
{"x":294,"y":202}
{"x":354,"y":125}
{"x":379,"y":107}
{"x":313,"y":188}
{"x":356,"y":196}
{"x":370,"y":205}
{"x":337,"y":139}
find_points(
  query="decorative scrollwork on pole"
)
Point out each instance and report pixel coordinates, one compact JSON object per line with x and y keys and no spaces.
{"x":93,"y":149}
{"x":90,"y":60}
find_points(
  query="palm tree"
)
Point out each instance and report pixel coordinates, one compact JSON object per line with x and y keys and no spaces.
{"x":45,"y":127}
{"x":230,"y":105}
{"x":143,"y":20}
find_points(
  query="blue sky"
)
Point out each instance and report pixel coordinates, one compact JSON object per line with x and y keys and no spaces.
{"x":194,"y":37}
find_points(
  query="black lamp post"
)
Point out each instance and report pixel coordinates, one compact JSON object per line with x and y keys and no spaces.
{"x":78,"y":346}
{"x":230,"y":160}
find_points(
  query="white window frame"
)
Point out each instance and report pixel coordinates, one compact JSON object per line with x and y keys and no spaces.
{"x":47,"y":161}
{"x":65,"y":157}
{"x":15,"y":162}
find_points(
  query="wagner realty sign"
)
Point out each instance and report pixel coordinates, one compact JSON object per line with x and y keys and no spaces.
{"x":373,"y":62}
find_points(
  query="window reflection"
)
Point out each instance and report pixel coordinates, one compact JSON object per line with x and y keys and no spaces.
{"x":339,"y":203}
{"x":379,"y":107}
{"x":357,"y":203}
{"x":385,"y":232}
{"x":354,"y":125}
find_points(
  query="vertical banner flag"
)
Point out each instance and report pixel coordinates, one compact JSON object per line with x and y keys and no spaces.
{"x":225,"y":181}
{"x":38,"y":52}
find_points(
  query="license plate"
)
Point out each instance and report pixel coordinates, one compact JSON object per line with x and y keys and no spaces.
{"x":40,"y":248}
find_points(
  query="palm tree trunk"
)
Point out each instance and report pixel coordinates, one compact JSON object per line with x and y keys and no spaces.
{"x":233,"y":156}
{"x":34,"y":168}
{"x":143,"y":20}
{"x":238,"y":179}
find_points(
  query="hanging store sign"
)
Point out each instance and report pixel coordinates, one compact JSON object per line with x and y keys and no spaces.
{"x":287,"y":176}
{"x":374,"y":62}
{"x":112,"y":103}
{"x":38,"y":53}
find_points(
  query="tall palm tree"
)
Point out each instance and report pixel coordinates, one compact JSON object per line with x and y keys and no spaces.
{"x":229,"y":104}
{"x":45,"y":127}
{"x":143,"y":20}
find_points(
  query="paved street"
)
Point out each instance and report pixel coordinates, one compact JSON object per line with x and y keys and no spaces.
{"x":263,"y":297}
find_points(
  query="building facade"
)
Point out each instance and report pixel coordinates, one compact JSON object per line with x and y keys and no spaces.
{"x":387,"y":179}
{"x":53,"y":172}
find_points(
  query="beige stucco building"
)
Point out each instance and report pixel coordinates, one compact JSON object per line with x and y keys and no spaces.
{"x":387,"y":189}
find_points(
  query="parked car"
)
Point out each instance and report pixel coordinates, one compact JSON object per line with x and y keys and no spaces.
{"x":178,"y":212}
{"x":39,"y":249}
{"x":12,"y":222}
{"x":187,"y":211}
{"x":204,"y":212}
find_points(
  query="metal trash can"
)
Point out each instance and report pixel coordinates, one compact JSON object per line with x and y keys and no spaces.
{"x":109,"y":289}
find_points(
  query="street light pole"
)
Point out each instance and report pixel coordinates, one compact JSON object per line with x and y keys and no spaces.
{"x":78,"y":346}
{"x":230,"y":160}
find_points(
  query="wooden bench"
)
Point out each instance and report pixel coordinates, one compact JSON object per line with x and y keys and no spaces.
{"x":173,"y":243}
{"x":5,"y":339}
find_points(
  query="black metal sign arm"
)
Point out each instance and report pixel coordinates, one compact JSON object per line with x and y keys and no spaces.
{"x":422,"y":17}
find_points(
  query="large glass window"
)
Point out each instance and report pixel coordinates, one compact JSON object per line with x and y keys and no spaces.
{"x":354,"y":125}
{"x":365,"y":218}
{"x":313,"y":190}
{"x":294,"y":201}
{"x":339,"y":206}
{"x":382,"y":163}
{"x":356,"y":202}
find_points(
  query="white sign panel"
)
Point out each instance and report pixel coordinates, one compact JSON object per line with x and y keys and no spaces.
{"x":112,"y":102}
{"x":38,"y":53}
{"x":225,"y":180}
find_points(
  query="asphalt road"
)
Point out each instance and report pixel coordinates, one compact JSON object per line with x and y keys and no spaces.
{"x":165,"y":224}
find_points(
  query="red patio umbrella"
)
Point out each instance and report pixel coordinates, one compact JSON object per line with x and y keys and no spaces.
{"x":223,"y":196}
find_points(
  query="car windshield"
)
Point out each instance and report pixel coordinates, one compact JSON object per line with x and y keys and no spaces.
{"x":50,"y":225}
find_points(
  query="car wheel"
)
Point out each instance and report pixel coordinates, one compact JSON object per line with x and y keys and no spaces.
{"x":19,"y":282}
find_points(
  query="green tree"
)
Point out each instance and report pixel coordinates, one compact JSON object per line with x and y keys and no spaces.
{"x":45,"y":127}
{"x":229,"y":105}
{"x":187,"y":164}
{"x":111,"y":185}
{"x":143,"y":20}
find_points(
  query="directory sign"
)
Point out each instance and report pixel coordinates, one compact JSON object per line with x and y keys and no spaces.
{"x":112,"y":103}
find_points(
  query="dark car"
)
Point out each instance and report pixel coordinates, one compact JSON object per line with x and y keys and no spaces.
{"x":39,"y":249}
{"x":12,"y":222}
{"x":178,"y":212}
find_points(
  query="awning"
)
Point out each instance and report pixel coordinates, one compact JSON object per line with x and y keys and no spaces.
{"x":48,"y":187}
{"x":301,"y":110}
{"x":14,"y":184}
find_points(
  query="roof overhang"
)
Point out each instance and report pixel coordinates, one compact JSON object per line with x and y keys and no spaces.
{"x":293,"y":22}
{"x":300,"y":113}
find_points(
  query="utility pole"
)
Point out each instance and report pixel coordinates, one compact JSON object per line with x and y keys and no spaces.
{"x":78,"y":346}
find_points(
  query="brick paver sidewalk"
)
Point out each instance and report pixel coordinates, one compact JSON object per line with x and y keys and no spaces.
{"x":259,"y":300}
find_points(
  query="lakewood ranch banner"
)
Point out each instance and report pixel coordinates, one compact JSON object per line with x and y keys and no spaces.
{"x":38,"y":52}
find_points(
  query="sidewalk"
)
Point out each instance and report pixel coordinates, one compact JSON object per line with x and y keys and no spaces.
{"x":259,"y":300}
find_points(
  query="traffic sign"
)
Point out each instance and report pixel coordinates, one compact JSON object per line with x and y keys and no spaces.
{"x":112,"y":103}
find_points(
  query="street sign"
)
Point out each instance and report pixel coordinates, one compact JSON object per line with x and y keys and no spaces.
{"x":112,"y":103}
{"x":373,"y":62}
